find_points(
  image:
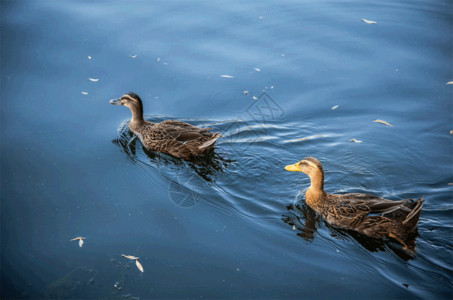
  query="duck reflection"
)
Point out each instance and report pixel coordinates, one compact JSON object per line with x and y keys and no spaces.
{"x":305,"y":220}
{"x":206,"y":167}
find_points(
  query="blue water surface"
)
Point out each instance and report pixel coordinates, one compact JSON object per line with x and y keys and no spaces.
{"x":303,"y":78}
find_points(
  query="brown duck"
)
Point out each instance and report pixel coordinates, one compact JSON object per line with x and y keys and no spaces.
{"x":176,"y":138}
{"x":367,"y":214}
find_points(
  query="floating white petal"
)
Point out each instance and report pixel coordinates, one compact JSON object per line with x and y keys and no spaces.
{"x":450,"y":82}
{"x":335,"y":107}
{"x":355,"y":141}
{"x":245,"y":92}
{"x":133,"y":56}
{"x":258,"y":70}
{"x":80,"y":239}
{"x":368,"y":21}
{"x":84,"y":93}
{"x":255,"y":98}
{"x":129,"y":256}
{"x":383,"y":122}
{"x":139,"y":265}
{"x":226,"y":76}
{"x":158,"y":59}
{"x":89,"y":57}
{"x":93,"y":79}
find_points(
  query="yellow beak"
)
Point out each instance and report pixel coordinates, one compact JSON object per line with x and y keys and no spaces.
{"x":293,"y":168}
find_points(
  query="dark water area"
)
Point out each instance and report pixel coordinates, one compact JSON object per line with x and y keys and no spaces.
{"x":236,"y":226}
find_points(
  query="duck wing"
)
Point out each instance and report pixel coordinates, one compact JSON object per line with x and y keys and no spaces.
{"x":175,"y":123}
{"x":358,"y":206}
{"x":377,"y":205}
{"x":182,"y":135}
{"x":178,"y":124}
{"x":351,"y":210}
{"x":182,"y":131}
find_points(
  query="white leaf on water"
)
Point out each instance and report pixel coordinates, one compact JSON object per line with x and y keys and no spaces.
{"x":255,"y":98}
{"x":258,"y":70}
{"x":355,"y":141}
{"x":245,"y":92}
{"x":93,"y":79}
{"x":139,"y":265}
{"x":450,"y":82}
{"x":89,"y":57}
{"x":383,"y":122}
{"x":84,"y":93}
{"x":335,"y":107}
{"x":80,"y":239}
{"x":133,"y":56}
{"x":226,"y":76}
{"x":158,"y":59}
{"x":368,"y":21}
{"x":129,"y":256}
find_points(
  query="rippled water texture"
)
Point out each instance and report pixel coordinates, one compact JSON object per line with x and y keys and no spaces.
{"x":234,"y":225}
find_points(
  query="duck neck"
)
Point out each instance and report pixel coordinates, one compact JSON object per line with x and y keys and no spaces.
{"x":137,"y":115}
{"x":315,"y":194}
{"x":317,"y":183}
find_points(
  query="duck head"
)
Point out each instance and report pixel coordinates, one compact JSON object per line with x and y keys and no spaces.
{"x":309,"y":165}
{"x":133,"y":102}
{"x":312,"y":167}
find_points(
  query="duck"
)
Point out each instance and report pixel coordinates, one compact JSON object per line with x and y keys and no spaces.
{"x":179,"y":139}
{"x":364,"y":213}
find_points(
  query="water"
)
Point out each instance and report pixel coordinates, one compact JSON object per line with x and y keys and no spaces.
{"x":236,"y":228}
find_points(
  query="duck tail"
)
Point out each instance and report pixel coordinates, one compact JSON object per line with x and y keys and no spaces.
{"x":412,"y":218}
{"x":210,"y":142}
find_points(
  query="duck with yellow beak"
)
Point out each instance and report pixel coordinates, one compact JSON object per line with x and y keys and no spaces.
{"x":364,"y":213}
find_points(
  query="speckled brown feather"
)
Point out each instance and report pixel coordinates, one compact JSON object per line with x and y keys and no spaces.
{"x":174,"y":137}
{"x":373,"y":216}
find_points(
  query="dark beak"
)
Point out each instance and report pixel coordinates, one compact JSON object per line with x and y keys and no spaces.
{"x":115,"y":101}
